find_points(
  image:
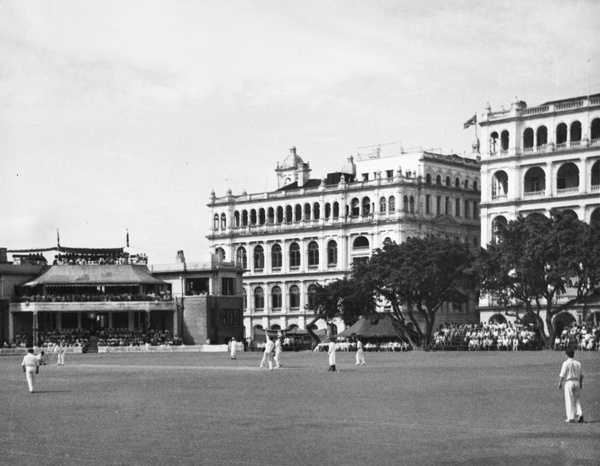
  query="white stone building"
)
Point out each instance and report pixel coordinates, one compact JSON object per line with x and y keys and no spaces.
{"x":535,"y":159}
{"x":311,"y":231}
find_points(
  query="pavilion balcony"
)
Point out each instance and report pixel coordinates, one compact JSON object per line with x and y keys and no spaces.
{"x":94,"y":306}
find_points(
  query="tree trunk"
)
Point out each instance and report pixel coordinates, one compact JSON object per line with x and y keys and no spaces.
{"x":312,"y":334}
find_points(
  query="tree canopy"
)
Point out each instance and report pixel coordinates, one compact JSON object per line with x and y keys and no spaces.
{"x":541,"y":264}
{"x":416,"y":277}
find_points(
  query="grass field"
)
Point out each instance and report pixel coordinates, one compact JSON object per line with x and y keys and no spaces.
{"x":401,"y":408}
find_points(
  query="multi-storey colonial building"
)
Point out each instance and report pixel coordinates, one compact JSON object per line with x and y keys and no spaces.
{"x":311,"y":231}
{"x":539,"y":158}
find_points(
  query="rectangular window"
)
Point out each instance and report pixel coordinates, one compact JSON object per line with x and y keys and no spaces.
{"x":365,"y":177}
{"x":227,"y":286}
{"x":196,"y":286}
{"x":439,"y":205}
{"x":428,"y":204}
{"x":447,"y":206}
{"x":457,"y":208}
{"x":389,"y":173}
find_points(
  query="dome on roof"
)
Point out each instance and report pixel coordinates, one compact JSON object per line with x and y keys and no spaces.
{"x":292,"y":160}
{"x":349,"y":168}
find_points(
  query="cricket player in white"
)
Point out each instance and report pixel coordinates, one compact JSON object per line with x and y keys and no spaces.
{"x":268,"y":356}
{"x":233,"y":348}
{"x":278,"y":351}
{"x":572,"y":376}
{"x":360,"y":353}
{"x":30,"y":367}
{"x":331,"y":352}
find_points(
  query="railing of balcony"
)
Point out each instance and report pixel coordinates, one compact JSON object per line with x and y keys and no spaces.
{"x":499,"y":197}
{"x":534,"y":194}
{"x":567,"y":191}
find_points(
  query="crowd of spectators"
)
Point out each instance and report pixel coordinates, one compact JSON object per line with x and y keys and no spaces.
{"x":30,"y":259}
{"x":94,"y":297}
{"x":486,"y":337}
{"x":344,"y":344}
{"x":91,"y":259}
{"x":70,"y":338}
{"x":137,"y":337}
{"x":585,"y":337}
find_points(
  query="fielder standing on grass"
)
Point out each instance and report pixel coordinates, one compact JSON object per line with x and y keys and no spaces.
{"x":572,"y":376}
{"x":331,"y":352}
{"x":30,"y":367}
{"x":268,"y":355}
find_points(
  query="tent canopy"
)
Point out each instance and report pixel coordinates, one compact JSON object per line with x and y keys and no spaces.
{"x":94,"y":275}
{"x":378,"y":325}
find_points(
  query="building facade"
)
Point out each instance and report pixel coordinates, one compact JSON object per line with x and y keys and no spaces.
{"x":535,"y":159}
{"x":310,"y":231}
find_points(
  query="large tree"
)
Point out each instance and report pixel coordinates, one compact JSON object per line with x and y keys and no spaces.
{"x":416,"y":277}
{"x":345,"y":298}
{"x":540,"y":264}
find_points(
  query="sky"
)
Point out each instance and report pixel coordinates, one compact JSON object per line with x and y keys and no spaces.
{"x":123,"y":115}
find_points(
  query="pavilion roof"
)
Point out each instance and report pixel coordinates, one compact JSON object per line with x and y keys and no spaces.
{"x":126,"y":274}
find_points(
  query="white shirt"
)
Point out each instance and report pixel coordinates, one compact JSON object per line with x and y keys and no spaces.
{"x":270,"y":346}
{"x":571,"y":370}
{"x":30,"y":359}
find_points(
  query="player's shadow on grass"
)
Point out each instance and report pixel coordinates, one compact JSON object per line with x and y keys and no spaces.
{"x":52,"y":391}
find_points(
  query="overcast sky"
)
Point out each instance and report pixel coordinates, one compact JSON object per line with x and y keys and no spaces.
{"x":120,"y":115}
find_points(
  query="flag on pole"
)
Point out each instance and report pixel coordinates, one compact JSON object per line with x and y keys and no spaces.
{"x":57,"y":238}
{"x":127,"y":238}
{"x":471,"y":121}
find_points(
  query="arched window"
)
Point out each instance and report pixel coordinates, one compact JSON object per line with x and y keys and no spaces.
{"x":428,"y":179}
{"x":575,"y":131}
{"x":327,"y":210}
{"x":596,"y":173}
{"x":259,"y":257}
{"x":271,"y":215}
{"x":355,"y":207}
{"x":466,"y":184}
{"x":276,"y":257}
{"x":336,"y":210}
{"x":475,"y":186}
{"x":220,"y":254}
{"x":448,"y":182}
{"x":361,"y":242}
{"x":261,"y":217}
{"x":307,"y":212}
{"x":438,"y":180}
{"x":567,"y":176}
{"x":392,"y":204}
{"x":236,"y":218}
{"x":405,"y":204}
{"x":499,"y":184}
{"x":411,"y":205}
{"x":542,"y":136}
{"x":294,"y":255}
{"x":294,"y":297}
{"x":332,"y":253}
{"x":310,"y":295}
{"x":223,"y":221}
{"x":313,"y":254}
{"x":595,"y":129}
{"x":242,"y":258}
{"x":289,"y":214}
{"x":382,"y":205}
{"x":244,"y":218}
{"x":298,"y":213}
{"x":494,"y":142}
{"x":279,"y":214}
{"x":497,"y":224}
{"x":316,"y":211}
{"x":535,"y":180}
{"x":504,"y":139}
{"x":216,"y":222}
{"x":457,"y":183}
{"x":595,"y":217}
{"x":528,"y":138}
{"x":245,"y":298}
{"x":366,"y":206}
{"x":276,"y":297}
{"x":253,"y":217}
{"x":259,"y":298}
{"x":561,"y":134}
